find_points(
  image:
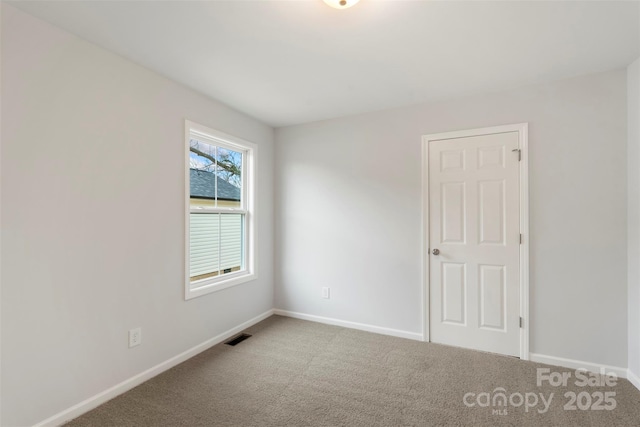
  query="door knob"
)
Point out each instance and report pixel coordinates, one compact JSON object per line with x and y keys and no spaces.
{"x":436,"y":252}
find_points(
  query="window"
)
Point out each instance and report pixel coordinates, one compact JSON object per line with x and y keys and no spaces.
{"x":220,"y":210}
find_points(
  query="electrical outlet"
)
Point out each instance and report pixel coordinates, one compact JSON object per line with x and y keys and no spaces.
{"x":326,"y":292}
{"x":135,"y":337}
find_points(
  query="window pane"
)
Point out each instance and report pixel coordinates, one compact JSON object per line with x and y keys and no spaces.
{"x":204,"y":247}
{"x":229,"y":178}
{"x":215,"y":244}
{"x":215,"y":175}
{"x":231,"y":241}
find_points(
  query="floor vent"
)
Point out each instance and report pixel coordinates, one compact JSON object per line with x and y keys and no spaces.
{"x":237,"y":339}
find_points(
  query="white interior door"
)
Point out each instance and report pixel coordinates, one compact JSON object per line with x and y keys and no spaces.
{"x":474,"y":238}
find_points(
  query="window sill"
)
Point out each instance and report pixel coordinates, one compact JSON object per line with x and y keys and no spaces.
{"x":207,"y":287}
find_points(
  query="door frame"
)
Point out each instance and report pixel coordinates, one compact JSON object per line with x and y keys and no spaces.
{"x":523,"y":130}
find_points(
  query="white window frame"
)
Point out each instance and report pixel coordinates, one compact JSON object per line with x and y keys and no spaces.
{"x":248,"y":208}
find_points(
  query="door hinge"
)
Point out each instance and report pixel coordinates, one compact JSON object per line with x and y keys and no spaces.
{"x":519,"y":153}
{"x":521,"y":322}
{"x":520,"y":238}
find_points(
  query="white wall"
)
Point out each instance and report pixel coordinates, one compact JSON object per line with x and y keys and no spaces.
{"x":0,"y":215}
{"x":348,"y":212}
{"x":633,"y":188}
{"x":92,"y":220}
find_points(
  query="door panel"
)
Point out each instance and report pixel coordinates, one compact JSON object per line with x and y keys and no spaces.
{"x":474,"y":223}
{"x":452,"y":160}
{"x":491,"y":209}
{"x":453,"y":293}
{"x":453,"y":221}
{"x":493,"y":304}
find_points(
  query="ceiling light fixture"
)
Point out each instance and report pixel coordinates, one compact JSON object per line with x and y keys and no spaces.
{"x":341,"y":4}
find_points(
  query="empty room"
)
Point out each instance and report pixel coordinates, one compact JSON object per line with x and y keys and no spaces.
{"x":319,"y":213}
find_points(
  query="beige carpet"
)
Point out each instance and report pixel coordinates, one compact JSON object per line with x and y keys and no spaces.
{"x":298,"y":373}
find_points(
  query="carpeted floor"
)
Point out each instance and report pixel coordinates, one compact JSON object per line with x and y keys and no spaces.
{"x":298,"y":373}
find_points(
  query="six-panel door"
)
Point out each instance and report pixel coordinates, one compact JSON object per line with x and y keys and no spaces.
{"x":474,"y":224}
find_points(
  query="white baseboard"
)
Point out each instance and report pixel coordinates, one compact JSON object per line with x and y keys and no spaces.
{"x":100,"y":398}
{"x":577,"y":364}
{"x":633,"y":378}
{"x":351,"y":325}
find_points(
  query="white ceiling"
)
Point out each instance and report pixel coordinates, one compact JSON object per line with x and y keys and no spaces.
{"x":288,"y":62}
